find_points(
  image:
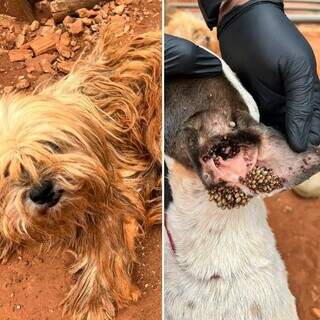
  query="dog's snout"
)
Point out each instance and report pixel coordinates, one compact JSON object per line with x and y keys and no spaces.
{"x":45,"y":194}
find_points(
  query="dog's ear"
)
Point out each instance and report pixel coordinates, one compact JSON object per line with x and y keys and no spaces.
{"x":190,"y":137}
{"x":169,"y":162}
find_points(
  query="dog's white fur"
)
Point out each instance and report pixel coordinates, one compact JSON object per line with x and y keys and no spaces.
{"x":225,"y":265}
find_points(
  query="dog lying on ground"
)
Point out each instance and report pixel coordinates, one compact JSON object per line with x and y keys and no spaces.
{"x":221,"y":261}
{"x":80,"y":165}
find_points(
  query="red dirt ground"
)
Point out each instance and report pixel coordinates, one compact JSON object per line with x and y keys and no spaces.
{"x":32,"y":286}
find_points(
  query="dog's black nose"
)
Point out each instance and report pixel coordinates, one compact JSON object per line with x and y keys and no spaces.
{"x":44,"y":193}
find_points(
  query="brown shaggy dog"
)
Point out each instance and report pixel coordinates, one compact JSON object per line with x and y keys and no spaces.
{"x":186,"y":25}
{"x":80,"y":167}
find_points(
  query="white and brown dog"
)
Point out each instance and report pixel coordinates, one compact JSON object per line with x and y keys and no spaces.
{"x":221,"y":260}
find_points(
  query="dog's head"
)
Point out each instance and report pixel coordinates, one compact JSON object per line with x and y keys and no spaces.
{"x":211,"y":131}
{"x":52,"y":163}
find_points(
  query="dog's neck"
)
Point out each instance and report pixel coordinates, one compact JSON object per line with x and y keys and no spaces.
{"x":211,"y":242}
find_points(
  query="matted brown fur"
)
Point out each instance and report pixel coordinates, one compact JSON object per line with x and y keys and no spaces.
{"x":96,"y":134}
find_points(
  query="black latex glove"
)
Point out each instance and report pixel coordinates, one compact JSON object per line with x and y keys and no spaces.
{"x":277,"y":66}
{"x":184,"y":58}
{"x":210,"y":11}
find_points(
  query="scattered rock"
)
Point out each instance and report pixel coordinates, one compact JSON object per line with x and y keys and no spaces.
{"x":67,"y":21}
{"x":35,"y":25}
{"x":76,"y":27}
{"x":73,"y":42}
{"x":65,"y":39}
{"x":63,"y":45}
{"x":88,"y":38}
{"x":119,"y":9}
{"x":117,"y":24}
{"x":94,"y":27}
{"x":22,"y":84}
{"x":106,"y":7}
{"x":6,"y":21}
{"x":41,"y":63}
{"x":87,"y":21}
{"x":316,"y":312}
{"x":8,"y":89}
{"x":50,"y":22}
{"x":85,"y":13}
{"x":314,"y":295}
{"x":287,"y":209}
{"x":19,"y":54}
{"x":87,"y":31}
{"x":76,"y":48}
{"x":126,"y":28}
{"x":65,"y":66}
{"x":20,"y":40}
{"x":42,"y":6}
{"x":46,"y":66}
{"x":104,"y":14}
{"x":44,"y":31}
{"x":3,"y":51}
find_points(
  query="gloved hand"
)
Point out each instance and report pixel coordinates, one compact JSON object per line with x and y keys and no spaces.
{"x":277,"y":66}
{"x":184,"y":58}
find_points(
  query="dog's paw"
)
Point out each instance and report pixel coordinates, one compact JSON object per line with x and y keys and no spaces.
{"x":97,"y":310}
{"x":107,"y":312}
{"x":135,"y":293}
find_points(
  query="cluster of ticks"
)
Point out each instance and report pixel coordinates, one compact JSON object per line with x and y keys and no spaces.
{"x":259,"y":179}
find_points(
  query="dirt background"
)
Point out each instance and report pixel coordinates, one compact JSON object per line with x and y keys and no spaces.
{"x":32,"y":285}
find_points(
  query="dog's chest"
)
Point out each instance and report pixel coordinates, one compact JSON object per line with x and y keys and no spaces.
{"x":211,"y":243}
{"x":225,"y":265}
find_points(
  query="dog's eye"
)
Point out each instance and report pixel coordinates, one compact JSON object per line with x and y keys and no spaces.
{"x":52,"y":146}
{"x":25,"y":176}
{"x":6,"y":171}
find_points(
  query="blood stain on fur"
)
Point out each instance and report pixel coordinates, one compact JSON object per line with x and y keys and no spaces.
{"x":215,"y":277}
{"x":191,"y":305}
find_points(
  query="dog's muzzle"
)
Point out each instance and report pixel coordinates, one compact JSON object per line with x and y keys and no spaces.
{"x":44,"y":194}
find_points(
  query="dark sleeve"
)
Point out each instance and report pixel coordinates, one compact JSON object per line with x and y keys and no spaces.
{"x":210,"y":11}
{"x":184,"y":58}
